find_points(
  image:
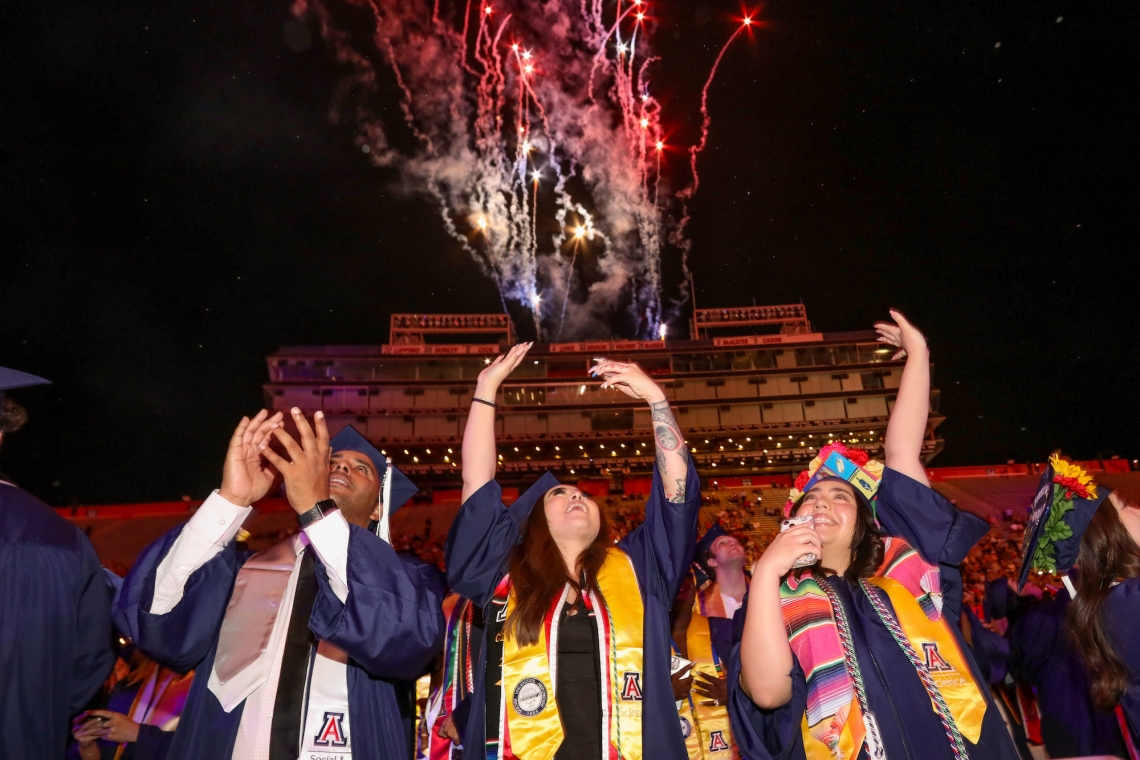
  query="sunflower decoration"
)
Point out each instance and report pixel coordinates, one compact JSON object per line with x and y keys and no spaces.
{"x":1062,"y":508}
{"x":835,"y":460}
{"x":1070,"y":481}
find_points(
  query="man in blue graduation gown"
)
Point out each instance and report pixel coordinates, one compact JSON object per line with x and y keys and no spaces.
{"x":299,"y":649}
{"x":55,"y":629}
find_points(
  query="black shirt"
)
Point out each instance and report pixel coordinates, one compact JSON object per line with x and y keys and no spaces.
{"x":579,"y":696}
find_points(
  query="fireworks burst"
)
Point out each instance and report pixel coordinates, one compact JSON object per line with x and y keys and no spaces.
{"x":539,"y":136}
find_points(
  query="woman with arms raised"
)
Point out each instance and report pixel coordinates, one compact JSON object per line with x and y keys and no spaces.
{"x":576,"y":652}
{"x":858,"y":653}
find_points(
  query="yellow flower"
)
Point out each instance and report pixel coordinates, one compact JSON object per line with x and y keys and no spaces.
{"x":814,"y":464}
{"x":874,"y":467}
{"x":1063,"y":468}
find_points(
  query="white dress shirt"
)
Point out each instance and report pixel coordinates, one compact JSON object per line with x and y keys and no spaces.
{"x":213,"y":526}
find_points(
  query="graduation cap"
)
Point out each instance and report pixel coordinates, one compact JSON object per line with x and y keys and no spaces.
{"x":836,"y":465}
{"x":521,"y":508}
{"x":11,"y":379}
{"x":395,"y":488}
{"x":1065,"y":501}
{"x":706,"y":542}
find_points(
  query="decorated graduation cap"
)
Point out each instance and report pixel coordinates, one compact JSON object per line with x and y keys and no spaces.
{"x":837,"y":462}
{"x":11,"y":379}
{"x":395,"y":488}
{"x":1066,"y":499}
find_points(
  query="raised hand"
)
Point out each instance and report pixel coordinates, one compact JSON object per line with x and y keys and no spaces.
{"x":246,"y":476}
{"x":497,"y":371}
{"x":629,"y":378}
{"x":901,"y":334}
{"x":306,"y":471}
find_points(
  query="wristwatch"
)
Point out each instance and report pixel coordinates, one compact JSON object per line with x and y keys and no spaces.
{"x":321,"y":509}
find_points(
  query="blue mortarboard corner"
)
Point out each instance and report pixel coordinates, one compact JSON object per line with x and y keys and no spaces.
{"x":522,"y":506}
{"x":1065,"y":501}
{"x":402,"y":488}
{"x":11,"y":379}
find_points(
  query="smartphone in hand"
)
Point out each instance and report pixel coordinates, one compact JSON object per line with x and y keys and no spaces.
{"x":791,"y":522}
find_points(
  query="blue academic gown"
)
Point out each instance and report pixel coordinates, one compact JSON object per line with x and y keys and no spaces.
{"x":1122,"y":621}
{"x":478,"y":550}
{"x":1043,"y":658}
{"x":55,"y":626}
{"x":390,"y":626}
{"x":910,"y":727}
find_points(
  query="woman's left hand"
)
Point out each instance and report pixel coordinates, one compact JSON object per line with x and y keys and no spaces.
{"x":902,"y":334}
{"x":714,"y":690}
{"x":629,"y":378}
{"x":116,"y":727}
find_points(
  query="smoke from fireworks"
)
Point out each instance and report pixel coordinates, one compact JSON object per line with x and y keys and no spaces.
{"x":539,"y":136}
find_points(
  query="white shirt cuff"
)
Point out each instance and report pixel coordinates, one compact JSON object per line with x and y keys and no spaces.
{"x":329,"y":536}
{"x":213,"y":526}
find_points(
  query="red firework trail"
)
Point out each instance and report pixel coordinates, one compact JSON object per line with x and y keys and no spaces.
{"x":495,"y":91}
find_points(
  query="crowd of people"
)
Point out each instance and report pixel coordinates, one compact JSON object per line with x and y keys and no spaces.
{"x":878,"y":620}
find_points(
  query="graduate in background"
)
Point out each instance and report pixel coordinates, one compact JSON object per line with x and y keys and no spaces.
{"x":139,"y":718}
{"x":858,"y":654}
{"x":55,"y":629}
{"x":700,"y":687}
{"x":720,"y":559}
{"x":300,"y":648}
{"x":1074,"y":521}
{"x":451,"y":688}
{"x":575,"y":657}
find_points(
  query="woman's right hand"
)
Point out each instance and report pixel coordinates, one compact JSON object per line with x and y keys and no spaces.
{"x":497,"y":371}
{"x":786,"y":548}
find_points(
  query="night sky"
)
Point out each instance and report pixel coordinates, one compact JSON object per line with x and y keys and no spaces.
{"x":177,"y":203}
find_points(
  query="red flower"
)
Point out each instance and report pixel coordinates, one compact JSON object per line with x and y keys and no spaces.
{"x":802,"y":479}
{"x":826,"y":450}
{"x":1072,"y":486}
{"x":858,"y":456}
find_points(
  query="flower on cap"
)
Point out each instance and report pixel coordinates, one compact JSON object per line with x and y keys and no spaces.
{"x":1074,"y":479}
{"x":874,"y":468}
{"x":858,"y":457}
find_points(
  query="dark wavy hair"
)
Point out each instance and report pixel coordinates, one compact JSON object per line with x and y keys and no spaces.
{"x":867,"y":547}
{"x":538,"y":573}
{"x":1107,"y":553}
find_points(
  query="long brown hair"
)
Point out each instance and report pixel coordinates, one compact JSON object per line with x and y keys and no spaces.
{"x":538,"y":573}
{"x":867,"y":547}
{"x":1107,"y":553}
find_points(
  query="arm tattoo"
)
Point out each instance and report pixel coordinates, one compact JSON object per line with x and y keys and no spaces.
{"x":668,"y":439}
{"x":665,"y":428}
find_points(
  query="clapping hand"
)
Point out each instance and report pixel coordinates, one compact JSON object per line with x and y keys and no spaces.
{"x":246,"y":476}
{"x":901,"y":334}
{"x":306,"y":471}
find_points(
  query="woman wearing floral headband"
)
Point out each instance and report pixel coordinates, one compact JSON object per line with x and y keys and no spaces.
{"x":576,"y":651}
{"x":858,"y":654}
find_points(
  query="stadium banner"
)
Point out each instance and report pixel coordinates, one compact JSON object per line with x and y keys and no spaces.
{"x":767,"y":340}
{"x":606,"y":346}
{"x":422,"y":350}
